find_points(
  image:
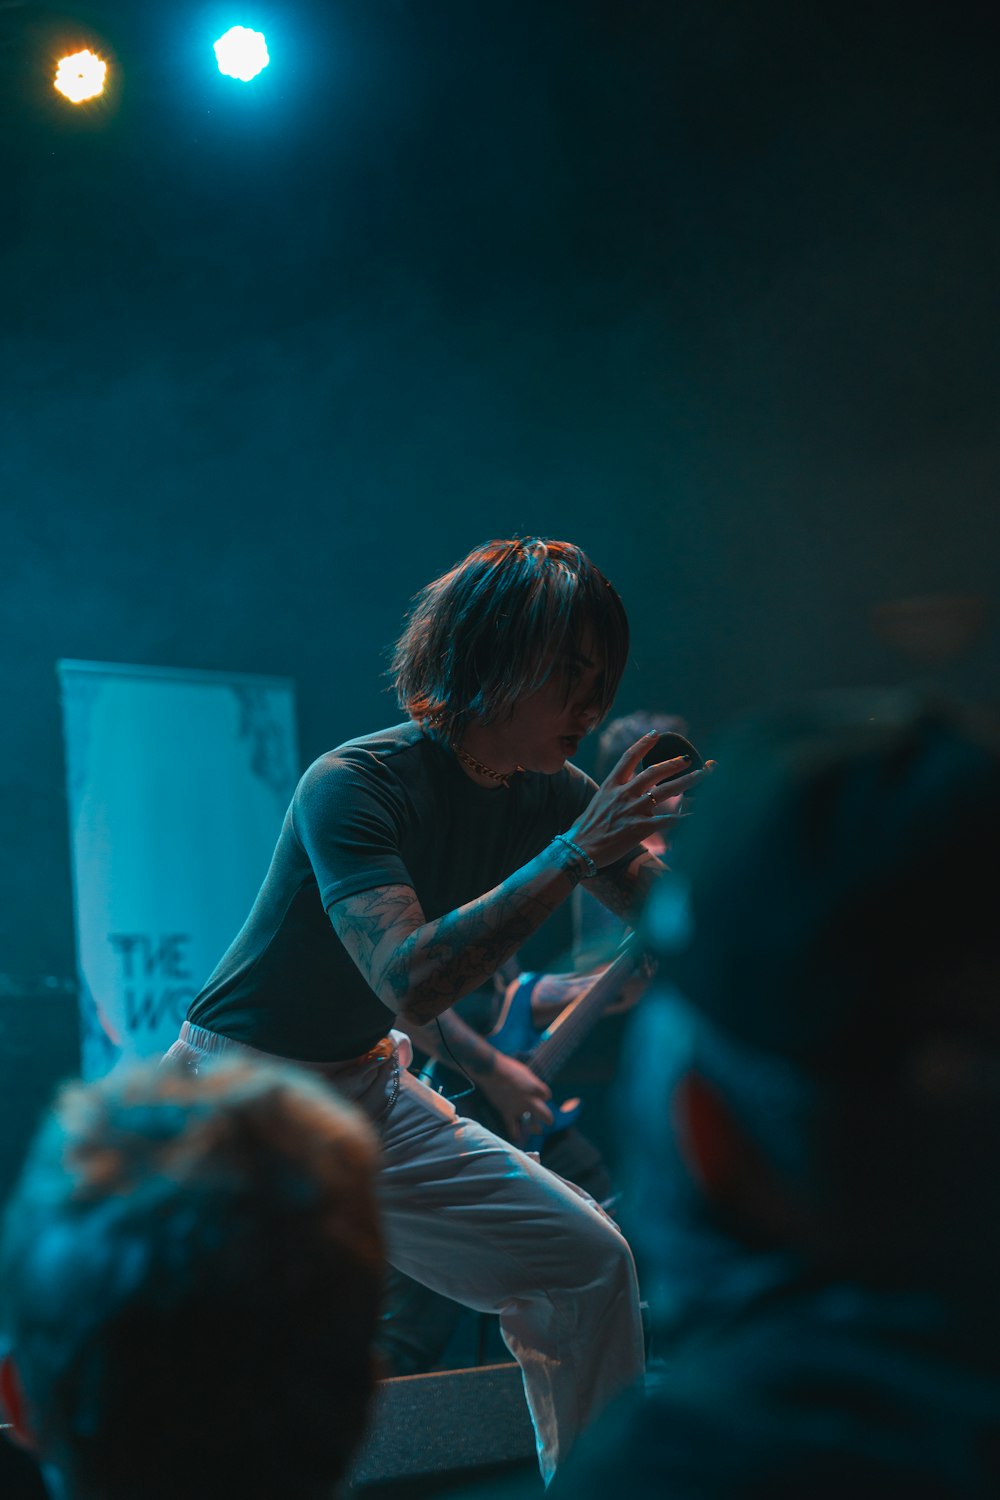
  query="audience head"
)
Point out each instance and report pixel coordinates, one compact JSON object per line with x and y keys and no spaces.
{"x":830,"y":927}
{"x":191,"y":1268}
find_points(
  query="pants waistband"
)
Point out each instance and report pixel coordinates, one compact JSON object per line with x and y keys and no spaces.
{"x":213,"y":1041}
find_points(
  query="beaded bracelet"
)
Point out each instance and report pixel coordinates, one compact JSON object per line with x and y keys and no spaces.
{"x":591,"y":868}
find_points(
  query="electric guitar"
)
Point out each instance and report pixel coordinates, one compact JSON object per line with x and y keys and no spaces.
{"x":545,"y":1052}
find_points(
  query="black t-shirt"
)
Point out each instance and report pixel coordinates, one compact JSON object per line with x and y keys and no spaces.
{"x":393,"y":808}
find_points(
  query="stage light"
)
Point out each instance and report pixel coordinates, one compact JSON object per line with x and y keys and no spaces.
{"x":80,"y":76}
{"x":241,"y":53}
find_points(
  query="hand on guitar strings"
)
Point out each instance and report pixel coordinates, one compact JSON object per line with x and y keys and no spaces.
{"x":518,"y":1095}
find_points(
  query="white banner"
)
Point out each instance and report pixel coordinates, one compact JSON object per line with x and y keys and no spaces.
{"x":177,"y":784}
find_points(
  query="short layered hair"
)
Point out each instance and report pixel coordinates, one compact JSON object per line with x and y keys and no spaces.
{"x":491,"y":631}
{"x":191,"y":1276}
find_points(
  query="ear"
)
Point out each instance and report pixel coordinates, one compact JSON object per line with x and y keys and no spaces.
{"x":14,"y":1405}
{"x":710,"y":1140}
{"x":730,"y":1168}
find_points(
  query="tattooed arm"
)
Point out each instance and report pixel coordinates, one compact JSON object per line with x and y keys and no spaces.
{"x":625,"y":892}
{"x":419,"y":968}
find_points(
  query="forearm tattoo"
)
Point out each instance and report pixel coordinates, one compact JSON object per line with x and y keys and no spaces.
{"x":439,"y":963}
{"x":625,"y":892}
{"x":420,"y":968}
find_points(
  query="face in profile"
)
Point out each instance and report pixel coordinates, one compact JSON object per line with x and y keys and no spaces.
{"x":544,"y":729}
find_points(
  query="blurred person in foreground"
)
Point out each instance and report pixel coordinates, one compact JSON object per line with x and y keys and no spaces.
{"x":815,"y":1121}
{"x":191,"y":1268}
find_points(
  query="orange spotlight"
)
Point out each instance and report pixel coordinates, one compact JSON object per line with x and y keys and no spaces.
{"x":80,"y":76}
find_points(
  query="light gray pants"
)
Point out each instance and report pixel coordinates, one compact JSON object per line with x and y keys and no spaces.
{"x":473,"y":1217}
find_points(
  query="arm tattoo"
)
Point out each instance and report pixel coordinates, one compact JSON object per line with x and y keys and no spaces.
{"x":625,"y":891}
{"x":363,"y":922}
{"x":420,"y":968}
{"x":448,"y":958}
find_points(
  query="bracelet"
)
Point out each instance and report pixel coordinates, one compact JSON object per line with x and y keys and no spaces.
{"x":591,"y":868}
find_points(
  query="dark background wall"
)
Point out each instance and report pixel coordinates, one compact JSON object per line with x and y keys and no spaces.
{"x":710,"y":289}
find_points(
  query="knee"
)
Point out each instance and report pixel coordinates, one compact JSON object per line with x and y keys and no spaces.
{"x":605,"y":1258}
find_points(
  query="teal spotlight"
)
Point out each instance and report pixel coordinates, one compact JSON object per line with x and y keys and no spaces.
{"x":241,"y":53}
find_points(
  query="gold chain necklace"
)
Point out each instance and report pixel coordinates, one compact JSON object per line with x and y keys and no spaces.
{"x":476,"y":765}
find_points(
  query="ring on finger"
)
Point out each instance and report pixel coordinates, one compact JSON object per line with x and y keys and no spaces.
{"x":652,"y":799}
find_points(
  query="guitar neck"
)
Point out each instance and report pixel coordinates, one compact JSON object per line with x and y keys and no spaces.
{"x":579,"y":1017}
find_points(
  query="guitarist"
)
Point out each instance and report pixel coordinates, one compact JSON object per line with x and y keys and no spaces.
{"x":485,"y":1071}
